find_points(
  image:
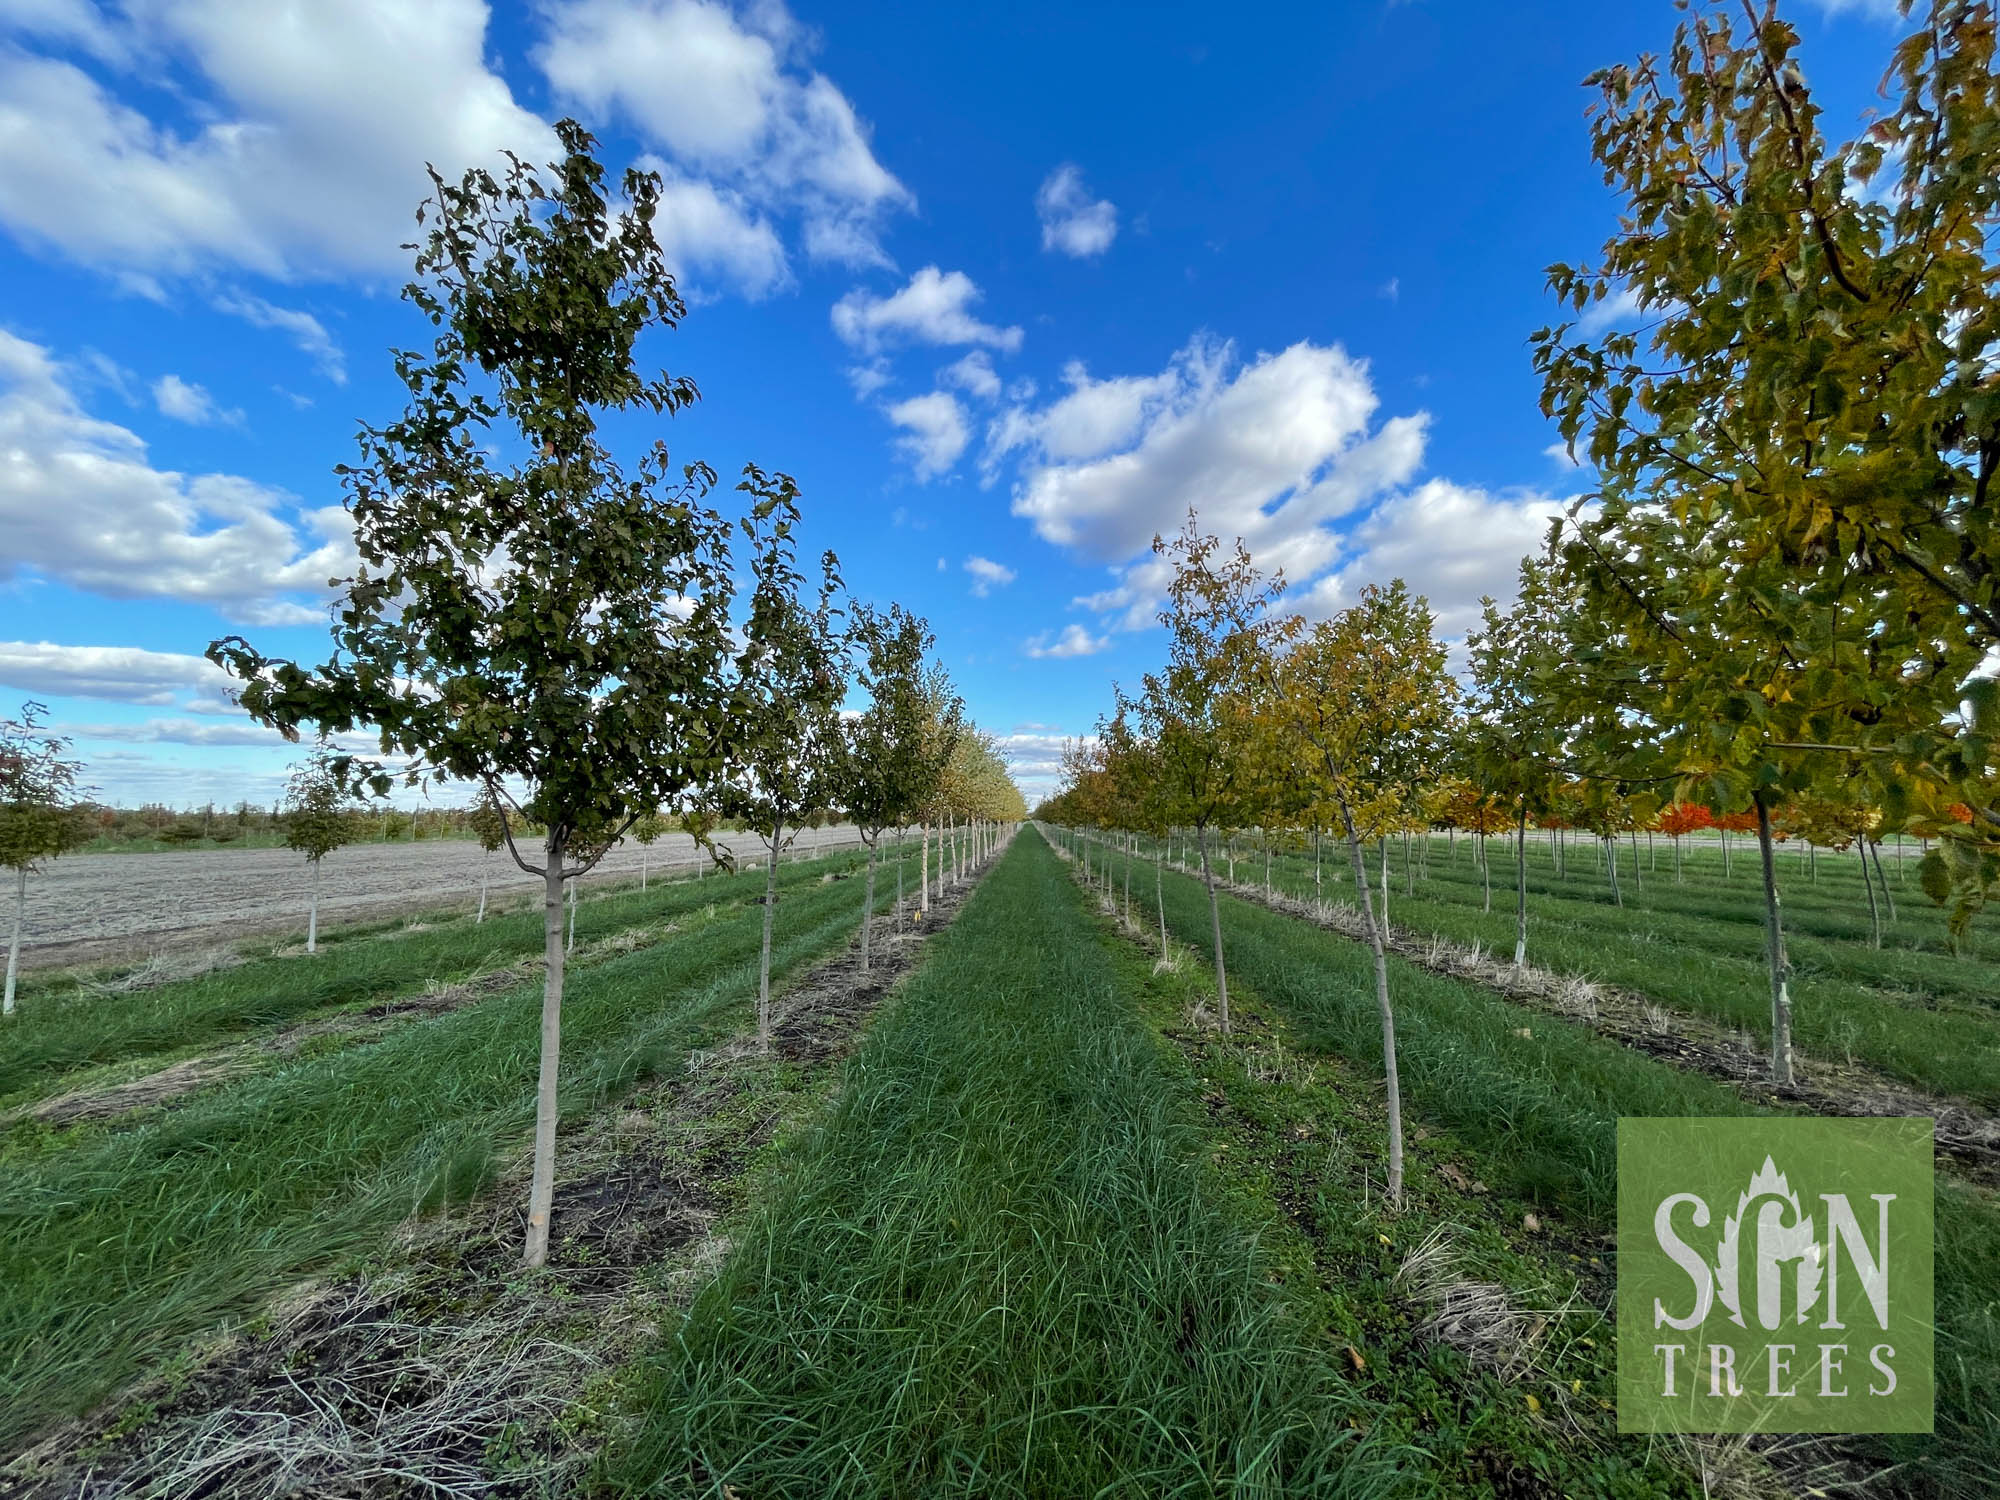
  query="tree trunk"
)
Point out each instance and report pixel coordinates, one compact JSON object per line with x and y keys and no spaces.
{"x":312,"y":912}
{"x":485,"y":873}
{"x":1128,"y":880}
{"x":1214,"y":924}
{"x":542,"y":1184}
{"x":1485,"y":873}
{"x":924,"y":873}
{"x":1521,"y":886}
{"x":868,"y":907}
{"x":899,"y":889}
{"x":1882,"y":880}
{"x":764,"y":956}
{"x":1638,"y":880}
{"x":1390,"y":1074}
{"x":14,"y":943}
{"x":1409,"y":868}
{"x":1874,"y":911}
{"x":1160,"y":897}
{"x":1382,"y":845}
{"x":1774,"y":932}
{"x":645,"y":861}
{"x":1318,"y":889}
{"x":1677,"y":860}
{"x":1611,"y":856}
{"x":1267,"y":866}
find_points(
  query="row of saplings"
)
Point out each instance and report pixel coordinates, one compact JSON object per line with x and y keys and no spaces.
{"x":587,"y":643}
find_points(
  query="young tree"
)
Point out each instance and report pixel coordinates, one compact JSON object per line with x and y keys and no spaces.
{"x":319,"y":818}
{"x":1367,"y":701}
{"x":892,"y":764}
{"x":646,"y":829}
{"x":1198,"y":710}
{"x":41,"y":814}
{"x":560,"y":625}
{"x":488,"y":822}
{"x":1513,"y":734}
{"x":1811,"y":397}
{"x":792,"y":677}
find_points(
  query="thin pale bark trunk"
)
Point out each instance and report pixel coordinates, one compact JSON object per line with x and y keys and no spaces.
{"x":1677,"y":860}
{"x":1874,"y":911}
{"x":764,"y":955}
{"x":1215,"y":926}
{"x":868,"y":907}
{"x":645,"y":860}
{"x":924,"y":883}
{"x":1611,"y":855}
{"x":1774,"y":934}
{"x":1409,"y":868}
{"x":1521,"y":886}
{"x":1485,"y":873}
{"x":14,"y":943}
{"x":542,"y":1184}
{"x":312,"y":912}
{"x":1160,"y":898}
{"x":1638,"y":880}
{"x":1882,"y":879}
{"x":1319,"y":890}
{"x":899,"y":890}
{"x":1390,"y":1072}
{"x":1128,"y":880}
{"x":1382,"y":845}
{"x":485,"y":873}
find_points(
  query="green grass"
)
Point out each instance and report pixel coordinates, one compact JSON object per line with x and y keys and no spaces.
{"x":118,"y":1254}
{"x":1914,"y":1012}
{"x":1001,"y":1267}
{"x":1542,"y":1109}
{"x":59,"y":1031}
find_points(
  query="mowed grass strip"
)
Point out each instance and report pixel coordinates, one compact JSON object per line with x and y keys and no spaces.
{"x":1001,"y":1267}
{"x":116,"y":1255}
{"x":56,"y":1033}
{"x":1540,"y":1098}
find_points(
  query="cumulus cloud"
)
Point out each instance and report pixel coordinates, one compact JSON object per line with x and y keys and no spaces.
{"x":79,"y":502}
{"x":934,"y":308}
{"x":1072,"y":223}
{"x":115,"y":674}
{"x":730,"y":93}
{"x":973,"y":374}
{"x":185,"y":401}
{"x":314,"y":123}
{"x":306,"y":331}
{"x":1273,"y":450}
{"x":1073,"y":640}
{"x":987,"y":575}
{"x":1451,"y":543}
{"x":935,"y":432}
{"x":1033,"y":758}
{"x":1558,"y":454}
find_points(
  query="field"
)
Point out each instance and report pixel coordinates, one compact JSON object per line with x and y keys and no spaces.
{"x":111,"y":906}
{"x":1007,"y":1215}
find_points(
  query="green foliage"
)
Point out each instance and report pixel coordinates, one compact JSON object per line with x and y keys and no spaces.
{"x":893,"y":761}
{"x":319,"y":813}
{"x":560,"y":623}
{"x":40,"y":812}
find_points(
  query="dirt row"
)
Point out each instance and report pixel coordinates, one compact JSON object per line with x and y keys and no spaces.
{"x":92,"y":908}
{"x":446,"y":1371}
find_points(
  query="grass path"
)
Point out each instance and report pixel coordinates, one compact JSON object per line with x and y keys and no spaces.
{"x":1002,"y":1266}
{"x":118,"y":1253}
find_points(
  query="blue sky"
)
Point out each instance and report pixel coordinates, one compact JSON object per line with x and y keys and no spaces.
{"x":1006,"y":288}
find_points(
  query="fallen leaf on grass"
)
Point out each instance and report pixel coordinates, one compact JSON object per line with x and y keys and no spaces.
{"x":1355,"y":1355}
{"x":1530,"y":1223}
{"x":1534,"y":1402}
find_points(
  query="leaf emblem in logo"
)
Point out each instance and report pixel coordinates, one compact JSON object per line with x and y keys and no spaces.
{"x":1777,"y":1242}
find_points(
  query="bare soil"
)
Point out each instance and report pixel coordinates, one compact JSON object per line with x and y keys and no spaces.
{"x":93,"y":908}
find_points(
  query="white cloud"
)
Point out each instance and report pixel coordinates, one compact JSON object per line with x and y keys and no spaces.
{"x":707,"y":232}
{"x":1558,"y":454}
{"x":1392,"y":289}
{"x":1071,"y":223}
{"x":1619,"y":310}
{"x":182,"y":732}
{"x":1033,"y":757}
{"x":80,"y":503}
{"x":933,"y":309}
{"x":728,"y":93}
{"x":973,"y":374}
{"x":1273,"y":451}
{"x":1451,"y":543}
{"x":314,"y":124}
{"x":306,"y":331}
{"x":936,"y":432}
{"x":115,"y":674}
{"x":1073,"y":641}
{"x":987,"y":575}
{"x":185,"y":401}
{"x":869,"y":378}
